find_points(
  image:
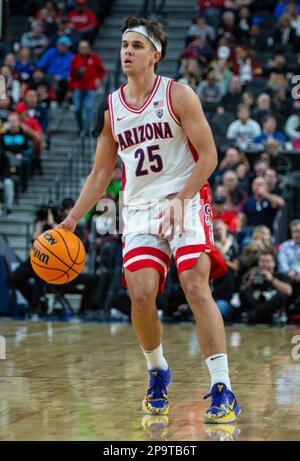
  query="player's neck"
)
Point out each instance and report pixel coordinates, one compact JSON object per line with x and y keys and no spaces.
{"x":140,"y":86}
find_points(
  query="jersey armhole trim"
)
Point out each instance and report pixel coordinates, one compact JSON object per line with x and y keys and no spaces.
{"x":169,"y":102}
{"x":111,"y":116}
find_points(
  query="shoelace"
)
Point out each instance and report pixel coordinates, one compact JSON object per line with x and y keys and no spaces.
{"x":216,"y":398}
{"x":157,"y":386}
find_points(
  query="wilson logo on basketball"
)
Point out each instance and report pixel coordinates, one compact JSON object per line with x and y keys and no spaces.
{"x":40,"y":256}
{"x":49,"y":238}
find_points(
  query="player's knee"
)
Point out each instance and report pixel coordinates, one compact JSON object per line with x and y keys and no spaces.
{"x":142,"y":297}
{"x":197,"y":292}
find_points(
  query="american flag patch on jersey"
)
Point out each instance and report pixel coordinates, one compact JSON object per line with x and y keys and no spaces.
{"x":158,"y":104}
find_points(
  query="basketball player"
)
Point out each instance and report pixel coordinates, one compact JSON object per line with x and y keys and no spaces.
{"x":158,"y":128}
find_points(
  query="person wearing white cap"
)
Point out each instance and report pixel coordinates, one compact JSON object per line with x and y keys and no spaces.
{"x":158,"y":128}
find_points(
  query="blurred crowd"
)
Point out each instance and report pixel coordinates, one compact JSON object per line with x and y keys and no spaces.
{"x":50,"y":67}
{"x":240,"y":58}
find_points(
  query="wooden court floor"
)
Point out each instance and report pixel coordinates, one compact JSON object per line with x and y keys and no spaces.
{"x":85,"y":381}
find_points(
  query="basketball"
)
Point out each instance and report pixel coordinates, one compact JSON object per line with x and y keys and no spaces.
{"x":57,"y":256}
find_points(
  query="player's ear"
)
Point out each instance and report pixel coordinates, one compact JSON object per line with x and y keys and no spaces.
{"x":157,"y":56}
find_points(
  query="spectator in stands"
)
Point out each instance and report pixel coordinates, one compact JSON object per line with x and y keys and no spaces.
{"x":228,"y":26}
{"x":48,"y":10}
{"x":220,"y":68}
{"x":5,"y":110}
{"x":256,"y":40}
{"x":200,"y":28}
{"x":63,"y":28}
{"x":276,"y":158}
{"x":264,"y":292}
{"x":39,"y":79}
{"x":260,"y":208}
{"x":248,"y":99}
{"x":35,"y":39}
{"x":48,"y":15}
{"x":16,"y":143}
{"x":281,"y":103}
{"x":260,"y":167}
{"x":289,"y":262}
{"x":277,"y":65}
{"x":232,"y":158}
{"x":277,"y":80}
{"x":24,"y":65}
{"x":262,"y":108}
{"x":235,"y":196}
{"x":243,"y":173}
{"x":292,"y":127}
{"x":56,"y":63}
{"x":87,"y":72}
{"x":210,"y":90}
{"x":269,"y":131}
{"x":190,"y":72}
{"x":10,"y":61}
{"x":285,"y":34}
{"x":230,"y":100}
{"x":243,"y":24}
{"x":13,"y":86}
{"x":244,"y":129}
{"x":261,"y":241}
{"x":282,"y":7}
{"x":211,"y":10}
{"x":272,"y":180}
{"x":294,"y":17}
{"x":37,"y":109}
{"x":6,"y":183}
{"x":245,"y":65}
{"x":83,"y":20}
{"x":220,"y":213}
{"x":32,"y":127}
{"x":224,"y":287}
{"x":202,"y":49}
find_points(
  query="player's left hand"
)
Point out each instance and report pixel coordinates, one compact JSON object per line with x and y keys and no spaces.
{"x":172,"y":219}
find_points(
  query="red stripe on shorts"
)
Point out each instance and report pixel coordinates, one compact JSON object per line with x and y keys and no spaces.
{"x":146,"y":251}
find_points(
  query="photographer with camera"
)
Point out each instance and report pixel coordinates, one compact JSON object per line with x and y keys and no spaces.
{"x":87,"y":72}
{"x":264,"y":292}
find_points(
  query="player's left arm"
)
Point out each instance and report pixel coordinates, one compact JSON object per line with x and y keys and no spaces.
{"x":189,"y":112}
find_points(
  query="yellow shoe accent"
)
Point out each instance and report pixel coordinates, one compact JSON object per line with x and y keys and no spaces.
{"x":152,"y":410}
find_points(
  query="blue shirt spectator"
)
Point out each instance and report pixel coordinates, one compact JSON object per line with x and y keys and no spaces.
{"x":281,"y":8}
{"x":261,"y":208}
{"x":269,"y":131}
{"x":57,"y":61}
{"x":289,"y":253}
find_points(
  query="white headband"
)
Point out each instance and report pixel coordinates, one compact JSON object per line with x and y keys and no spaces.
{"x":142,"y":30}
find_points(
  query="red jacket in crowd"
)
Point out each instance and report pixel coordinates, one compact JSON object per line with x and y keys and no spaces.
{"x":85,"y":70}
{"x":205,"y":4}
{"x":81,"y":20}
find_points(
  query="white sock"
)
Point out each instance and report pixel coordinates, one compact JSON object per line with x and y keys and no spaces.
{"x":218,"y":368}
{"x":155,"y":359}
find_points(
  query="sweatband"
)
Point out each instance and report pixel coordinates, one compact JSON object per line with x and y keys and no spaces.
{"x":142,"y":30}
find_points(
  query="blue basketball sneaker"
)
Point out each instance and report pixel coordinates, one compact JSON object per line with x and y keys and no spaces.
{"x":224,"y":407}
{"x":156,"y":400}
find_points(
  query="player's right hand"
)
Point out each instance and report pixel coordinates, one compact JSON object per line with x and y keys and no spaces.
{"x":68,"y":223}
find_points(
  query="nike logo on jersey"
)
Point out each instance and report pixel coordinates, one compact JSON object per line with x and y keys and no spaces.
{"x":121,"y":118}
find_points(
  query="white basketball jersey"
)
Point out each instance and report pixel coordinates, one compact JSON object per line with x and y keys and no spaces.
{"x":156,"y":154}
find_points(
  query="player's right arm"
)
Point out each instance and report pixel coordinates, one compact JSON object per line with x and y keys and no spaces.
{"x":98,"y":179}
